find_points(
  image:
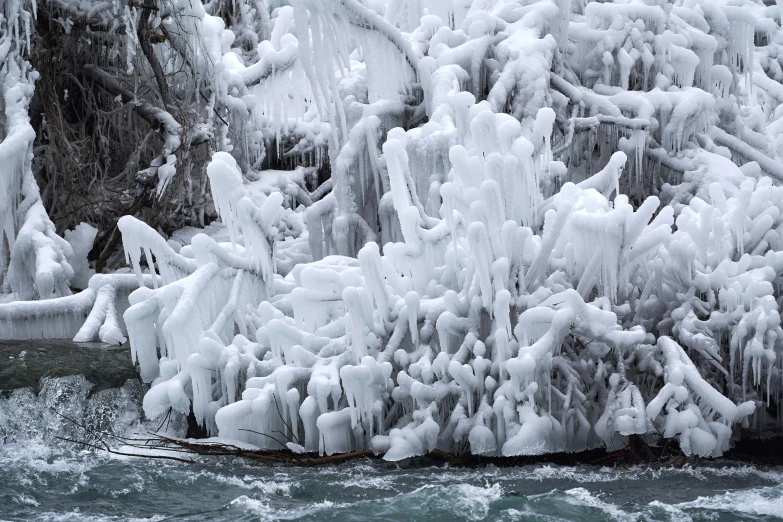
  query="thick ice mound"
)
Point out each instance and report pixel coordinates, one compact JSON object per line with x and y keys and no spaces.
{"x":473,"y":332}
{"x":550,"y":225}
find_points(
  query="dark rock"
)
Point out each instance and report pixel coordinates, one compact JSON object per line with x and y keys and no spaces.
{"x":24,"y":363}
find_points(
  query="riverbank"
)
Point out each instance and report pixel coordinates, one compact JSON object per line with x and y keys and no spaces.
{"x":63,"y":374}
{"x":46,"y":476}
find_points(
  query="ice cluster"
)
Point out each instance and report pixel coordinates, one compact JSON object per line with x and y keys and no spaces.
{"x":550,"y":225}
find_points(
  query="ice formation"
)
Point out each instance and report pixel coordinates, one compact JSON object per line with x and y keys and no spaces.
{"x":34,"y":260}
{"x":550,"y":225}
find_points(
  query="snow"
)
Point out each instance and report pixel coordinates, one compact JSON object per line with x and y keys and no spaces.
{"x":548,"y":227}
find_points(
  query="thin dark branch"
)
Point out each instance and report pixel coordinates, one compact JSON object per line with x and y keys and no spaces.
{"x":142,"y":32}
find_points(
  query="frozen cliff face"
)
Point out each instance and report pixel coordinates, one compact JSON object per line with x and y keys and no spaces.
{"x":548,"y":227}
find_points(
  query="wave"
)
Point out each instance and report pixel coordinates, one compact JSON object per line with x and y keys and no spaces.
{"x":763,"y":501}
{"x":265,"y":511}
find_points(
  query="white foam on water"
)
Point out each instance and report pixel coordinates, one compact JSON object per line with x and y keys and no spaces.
{"x":582,"y":497}
{"x":364,"y":482}
{"x":26,"y":500}
{"x":34,"y":460}
{"x":467,"y":501}
{"x":464,"y":501}
{"x":744,"y":471}
{"x":526,"y":514}
{"x":447,"y":476}
{"x":592,"y":474}
{"x":77,"y":516}
{"x":279,"y":484}
{"x":264,"y":511}
{"x":275,"y":486}
{"x":548,"y":472}
{"x":765,"y":501}
{"x":475,"y":501}
{"x":39,"y":456}
{"x":360,"y":467}
{"x":137,"y":486}
{"x":605,"y":474}
{"x":674,"y":514}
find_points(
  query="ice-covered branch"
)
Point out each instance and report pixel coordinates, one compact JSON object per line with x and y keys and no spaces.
{"x":155,"y":116}
{"x":38,"y":267}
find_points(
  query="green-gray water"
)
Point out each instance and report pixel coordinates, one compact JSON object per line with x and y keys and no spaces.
{"x":45,"y":478}
{"x":41,"y":483}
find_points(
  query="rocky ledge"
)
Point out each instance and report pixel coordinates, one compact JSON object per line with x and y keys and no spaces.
{"x":24,"y":363}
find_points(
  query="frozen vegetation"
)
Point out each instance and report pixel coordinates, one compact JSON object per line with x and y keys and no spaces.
{"x":503,"y":227}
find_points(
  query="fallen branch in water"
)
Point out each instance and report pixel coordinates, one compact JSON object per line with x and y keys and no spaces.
{"x":159,"y":446}
{"x":165,"y":445}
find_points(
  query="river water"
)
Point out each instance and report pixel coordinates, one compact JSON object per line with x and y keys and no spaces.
{"x":43,"y":477}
